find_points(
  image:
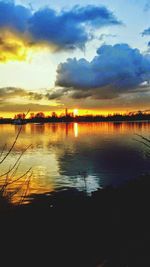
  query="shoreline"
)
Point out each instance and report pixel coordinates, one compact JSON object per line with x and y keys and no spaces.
{"x":28,"y":121}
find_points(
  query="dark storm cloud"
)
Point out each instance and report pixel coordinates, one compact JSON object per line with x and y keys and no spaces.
{"x":64,"y":30}
{"x":115,"y":70}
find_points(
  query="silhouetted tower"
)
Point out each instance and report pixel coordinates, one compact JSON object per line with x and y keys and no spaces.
{"x":66,"y":112}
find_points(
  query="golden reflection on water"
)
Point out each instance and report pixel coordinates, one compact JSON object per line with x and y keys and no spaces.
{"x":49,"y":143}
{"x":76,"y":131}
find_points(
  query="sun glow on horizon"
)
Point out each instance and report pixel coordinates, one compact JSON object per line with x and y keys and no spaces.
{"x":59,"y":113}
{"x":75,"y":112}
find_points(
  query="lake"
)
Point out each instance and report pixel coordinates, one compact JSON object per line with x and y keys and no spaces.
{"x":81,"y":155}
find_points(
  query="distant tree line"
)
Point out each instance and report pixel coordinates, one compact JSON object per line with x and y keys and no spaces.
{"x":40,"y":117}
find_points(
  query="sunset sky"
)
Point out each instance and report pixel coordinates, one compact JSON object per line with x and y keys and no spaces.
{"x":93,"y":56}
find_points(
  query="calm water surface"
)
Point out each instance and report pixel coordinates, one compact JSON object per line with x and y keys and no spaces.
{"x":69,"y":154}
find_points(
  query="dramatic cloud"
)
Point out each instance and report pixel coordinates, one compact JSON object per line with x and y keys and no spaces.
{"x":115,"y":70}
{"x":13,"y":16}
{"x":71,"y":25}
{"x":13,"y":23}
{"x":64,"y":30}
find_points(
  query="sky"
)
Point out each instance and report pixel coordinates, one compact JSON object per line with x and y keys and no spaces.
{"x":93,"y":56}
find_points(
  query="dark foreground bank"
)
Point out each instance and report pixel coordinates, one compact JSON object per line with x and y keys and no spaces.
{"x":70,"y":229}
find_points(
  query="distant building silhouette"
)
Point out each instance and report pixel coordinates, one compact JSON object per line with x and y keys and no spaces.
{"x":66,"y":112}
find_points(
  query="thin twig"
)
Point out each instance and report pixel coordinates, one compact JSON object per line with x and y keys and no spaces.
{"x":1,"y":154}
{"x":142,"y":142}
{"x":20,"y":177}
{"x":9,"y":151}
{"x":144,"y":138}
{"x":27,"y":188}
{"x":5,"y":191}
{"x":11,"y":194}
{"x":15,"y":162}
{"x":14,"y":172}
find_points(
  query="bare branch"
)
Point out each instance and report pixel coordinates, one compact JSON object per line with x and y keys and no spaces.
{"x":1,"y":154}
{"x":27,"y":188}
{"x":11,"y":148}
{"x":9,"y":151}
{"x":144,"y":138}
{"x":15,"y":162}
{"x":20,"y":177}
{"x":142,"y":142}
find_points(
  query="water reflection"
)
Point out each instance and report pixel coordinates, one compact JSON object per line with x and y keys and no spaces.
{"x":62,"y":152}
{"x":75,"y":129}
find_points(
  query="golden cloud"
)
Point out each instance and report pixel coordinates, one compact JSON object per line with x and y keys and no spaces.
{"x":12,"y":46}
{"x":15,"y":46}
